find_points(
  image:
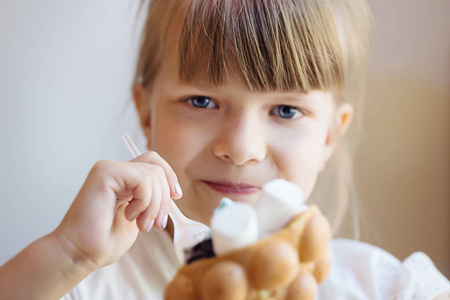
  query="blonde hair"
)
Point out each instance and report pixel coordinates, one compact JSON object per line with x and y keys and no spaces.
{"x":295,"y":45}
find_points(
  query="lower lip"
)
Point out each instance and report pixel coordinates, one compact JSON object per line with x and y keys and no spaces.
{"x":232,"y":191}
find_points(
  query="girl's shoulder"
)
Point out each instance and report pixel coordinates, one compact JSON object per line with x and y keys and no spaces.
{"x":363,"y":271}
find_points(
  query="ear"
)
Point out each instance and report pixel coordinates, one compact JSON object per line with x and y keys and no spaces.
{"x":343,"y":117}
{"x":142,"y":102}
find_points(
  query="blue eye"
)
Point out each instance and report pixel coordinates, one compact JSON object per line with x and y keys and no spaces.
{"x":202,"y":102}
{"x":286,"y":112}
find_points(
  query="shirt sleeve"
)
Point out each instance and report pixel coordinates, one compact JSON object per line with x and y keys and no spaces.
{"x":72,"y":295}
{"x":420,"y":279}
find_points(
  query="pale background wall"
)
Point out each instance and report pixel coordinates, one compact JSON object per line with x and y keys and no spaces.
{"x":65,"y":72}
{"x":403,"y":167}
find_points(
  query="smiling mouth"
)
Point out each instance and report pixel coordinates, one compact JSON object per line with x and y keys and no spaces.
{"x":232,"y":189}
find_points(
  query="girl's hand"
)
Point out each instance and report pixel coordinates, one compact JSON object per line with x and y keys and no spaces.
{"x":116,"y":201}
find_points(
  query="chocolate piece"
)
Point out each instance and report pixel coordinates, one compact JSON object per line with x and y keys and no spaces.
{"x":201,"y":250}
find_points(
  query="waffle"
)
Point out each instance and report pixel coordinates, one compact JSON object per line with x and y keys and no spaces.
{"x":288,"y":264}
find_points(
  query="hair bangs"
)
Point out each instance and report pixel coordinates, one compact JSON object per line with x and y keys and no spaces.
{"x":275,"y":45}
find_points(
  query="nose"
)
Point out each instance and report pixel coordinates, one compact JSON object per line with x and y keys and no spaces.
{"x":241,"y":140}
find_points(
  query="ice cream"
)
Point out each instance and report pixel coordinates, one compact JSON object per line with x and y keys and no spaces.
{"x":234,"y":225}
{"x":280,"y":200}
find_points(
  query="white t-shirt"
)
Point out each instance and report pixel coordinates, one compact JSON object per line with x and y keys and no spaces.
{"x":359,"y":271}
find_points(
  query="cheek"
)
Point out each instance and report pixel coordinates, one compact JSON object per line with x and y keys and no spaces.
{"x":299,"y":160}
{"x":176,"y":141}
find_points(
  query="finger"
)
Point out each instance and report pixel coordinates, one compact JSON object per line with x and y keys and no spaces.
{"x":146,"y":219}
{"x":163,"y":196}
{"x":152,"y":157}
{"x":144,"y":185}
{"x":163,"y":215}
{"x":142,"y":193}
{"x":148,"y":197}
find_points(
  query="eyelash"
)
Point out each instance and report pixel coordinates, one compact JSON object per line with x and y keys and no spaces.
{"x":193,"y":99}
{"x":276,"y":111}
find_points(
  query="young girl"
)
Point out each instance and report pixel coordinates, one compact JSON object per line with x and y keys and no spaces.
{"x":231,"y":95}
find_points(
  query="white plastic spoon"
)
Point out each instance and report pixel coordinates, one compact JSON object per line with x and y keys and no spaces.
{"x":187,"y":232}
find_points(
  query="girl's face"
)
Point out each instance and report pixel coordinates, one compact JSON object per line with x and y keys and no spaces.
{"x":227,"y":141}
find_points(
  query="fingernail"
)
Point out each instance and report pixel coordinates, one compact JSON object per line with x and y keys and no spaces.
{"x":150,"y":226}
{"x":164,"y":221}
{"x":178,"y":189}
{"x":135,"y":217}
